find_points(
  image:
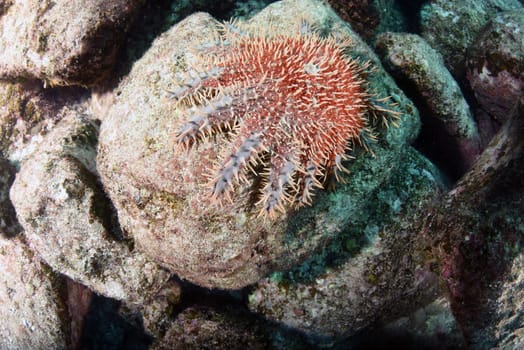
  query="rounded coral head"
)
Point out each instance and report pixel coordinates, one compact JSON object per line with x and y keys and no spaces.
{"x":294,"y":104}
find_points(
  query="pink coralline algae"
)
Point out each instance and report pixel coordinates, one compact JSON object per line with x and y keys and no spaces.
{"x":294,"y":105}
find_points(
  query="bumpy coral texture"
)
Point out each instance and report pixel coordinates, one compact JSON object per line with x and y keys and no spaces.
{"x":293,"y":104}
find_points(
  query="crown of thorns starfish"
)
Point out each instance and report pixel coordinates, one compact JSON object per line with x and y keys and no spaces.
{"x":294,"y":104}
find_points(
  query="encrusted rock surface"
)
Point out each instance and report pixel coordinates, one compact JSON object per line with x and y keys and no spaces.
{"x":28,"y":112}
{"x":162,"y":196}
{"x":451,"y":26}
{"x":495,"y":65}
{"x":157,"y":313}
{"x":477,"y":233}
{"x":225,"y":328}
{"x":62,"y":42}
{"x":449,"y":130}
{"x":382,"y":275}
{"x":67,"y":219}
{"x":507,"y":330}
{"x":370,"y":17}
{"x":32,"y":308}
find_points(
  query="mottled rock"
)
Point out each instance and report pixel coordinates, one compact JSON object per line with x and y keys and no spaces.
{"x":451,"y":26}
{"x":162,"y":197}
{"x":62,"y":42}
{"x":449,"y":133}
{"x":495,"y":65}
{"x":370,"y":17}
{"x":507,"y":326}
{"x":477,"y":234}
{"x":67,"y":219}
{"x":380,"y":273}
{"x":158,"y":311}
{"x":33,"y":312}
{"x":204,"y":327}
{"x":28,"y":112}
{"x":19,"y":117}
{"x":200,"y":328}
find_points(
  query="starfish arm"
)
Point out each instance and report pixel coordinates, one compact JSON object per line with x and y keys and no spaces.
{"x":308,"y":182}
{"x":203,"y":119}
{"x":237,"y":164}
{"x":279,"y":179}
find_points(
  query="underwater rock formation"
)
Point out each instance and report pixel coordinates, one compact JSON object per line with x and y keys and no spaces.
{"x":449,"y":133}
{"x":62,"y":42}
{"x":28,"y":111}
{"x":31,"y":305}
{"x":67,"y":220}
{"x":113,"y":238}
{"x":452,"y":26}
{"x":204,"y":327}
{"x":495,"y":65}
{"x":477,"y":233}
{"x":376,"y":278}
{"x":371,"y":17}
{"x":162,"y":195}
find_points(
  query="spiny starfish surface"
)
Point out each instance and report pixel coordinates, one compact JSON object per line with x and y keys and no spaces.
{"x":294,"y":104}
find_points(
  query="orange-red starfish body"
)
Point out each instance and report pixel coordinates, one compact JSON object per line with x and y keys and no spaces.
{"x":294,"y":103}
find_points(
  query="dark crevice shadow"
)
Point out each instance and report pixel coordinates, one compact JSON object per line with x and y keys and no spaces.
{"x":102,"y":206}
{"x":411,"y":10}
{"x":9,"y":225}
{"x":105,"y":328}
